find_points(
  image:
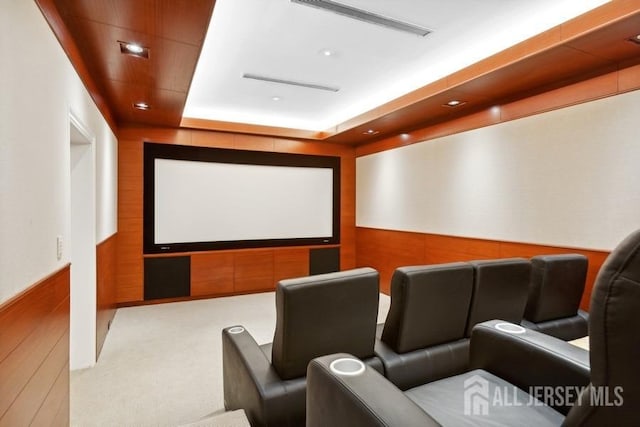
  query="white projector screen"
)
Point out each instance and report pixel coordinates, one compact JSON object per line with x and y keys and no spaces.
{"x":207,"y":204}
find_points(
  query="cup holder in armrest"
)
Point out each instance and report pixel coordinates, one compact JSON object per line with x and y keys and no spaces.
{"x":236,"y":330}
{"x":510,"y":328}
{"x":347,"y":366}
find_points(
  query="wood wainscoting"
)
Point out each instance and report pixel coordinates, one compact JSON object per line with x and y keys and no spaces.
{"x":238,"y":271}
{"x":386,"y":250}
{"x":106,"y":264}
{"x":34,"y":354}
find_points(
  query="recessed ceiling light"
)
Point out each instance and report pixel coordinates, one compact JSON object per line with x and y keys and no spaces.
{"x":405,"y":136}
{"x":141,"y":106}
{"x":635,"y":39}
{"x":134,"y":49}
{"x":327,"y":52}
{"x":454,"y":103}
{"x":370,"y":132}
{"x":275,"y":98}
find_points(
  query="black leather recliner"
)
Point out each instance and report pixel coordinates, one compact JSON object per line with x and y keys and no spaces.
{"x":555,"y":291}
{"x":424,"y":334}
{"x":315,"y":316}
{"x":499,"y":290}
{"x":504,"y":355}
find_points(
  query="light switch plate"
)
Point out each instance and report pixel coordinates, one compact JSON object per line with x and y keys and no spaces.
{"x":59,"y":247}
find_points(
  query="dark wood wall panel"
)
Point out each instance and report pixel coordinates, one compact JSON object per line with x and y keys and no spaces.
{"x":106,"y":266}
{"x":129,"y":253}
{"x":289,"y":263}
{"x":386,"y":250}
{"x":241,"y":271}
{"x":25,"y":359}
{"x":27,"y":404}
{"x":220,"y":272}
{"x":55,"y":408}
{"x":212,"y":273}
{"x":253,"y":270}
{"x":34,"y":354}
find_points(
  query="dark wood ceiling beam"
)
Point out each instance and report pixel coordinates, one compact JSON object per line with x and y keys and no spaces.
{"x":174,"y":31}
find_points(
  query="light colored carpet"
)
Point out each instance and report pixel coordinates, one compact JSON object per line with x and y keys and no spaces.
{"x":161,"y":365}
{"x":224,"y":419}
{"x":581,"y":342}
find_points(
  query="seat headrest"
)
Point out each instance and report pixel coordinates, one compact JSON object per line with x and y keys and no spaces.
{"x":429,"y":306}
{"x":556,"y":286}
{"x":324,"y":314}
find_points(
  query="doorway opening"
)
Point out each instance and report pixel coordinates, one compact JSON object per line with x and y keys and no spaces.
{"x":82,"y":247}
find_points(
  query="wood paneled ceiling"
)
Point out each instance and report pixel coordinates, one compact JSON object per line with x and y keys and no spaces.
{"x":174,"y":30}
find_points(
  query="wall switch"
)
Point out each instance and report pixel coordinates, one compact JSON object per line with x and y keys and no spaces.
{"x":59,"y":247}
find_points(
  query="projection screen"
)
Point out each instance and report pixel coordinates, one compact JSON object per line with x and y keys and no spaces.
{"x":203,"y":198}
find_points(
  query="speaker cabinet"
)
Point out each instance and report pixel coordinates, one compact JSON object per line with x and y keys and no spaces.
{"x":324,"y":260}
{"x":168,"y":277}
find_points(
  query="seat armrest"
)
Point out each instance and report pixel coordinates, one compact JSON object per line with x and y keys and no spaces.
{"x":364,"y":400}
{"x":584,"y":315}
{"x":529,"y":359}
{"x":249,"y":380}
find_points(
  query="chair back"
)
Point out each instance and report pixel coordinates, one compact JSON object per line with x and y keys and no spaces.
{"x":429,"y":306}
{"x":324,"y":314}
{"x":500,"y":290}
{"x":613,"y":397}
{"x":556,"y":286}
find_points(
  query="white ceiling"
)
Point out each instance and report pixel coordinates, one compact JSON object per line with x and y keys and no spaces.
{"x":371,"y":65}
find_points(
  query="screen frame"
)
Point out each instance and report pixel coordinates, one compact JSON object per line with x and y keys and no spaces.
{"x":153,"y":151}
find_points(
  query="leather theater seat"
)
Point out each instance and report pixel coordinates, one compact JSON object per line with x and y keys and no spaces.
{"x":508,"y":358}
{"x":424,"y":334}
{"x":555,"y":291}
{"x":315,"y":316}
{"x":500,"y":290}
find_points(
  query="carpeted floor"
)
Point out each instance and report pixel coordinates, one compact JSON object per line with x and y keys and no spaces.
{"x":161,"y":365}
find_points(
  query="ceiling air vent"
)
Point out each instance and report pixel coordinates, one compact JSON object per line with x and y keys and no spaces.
{"x":363,"y":15}
{"x":290,"y":82}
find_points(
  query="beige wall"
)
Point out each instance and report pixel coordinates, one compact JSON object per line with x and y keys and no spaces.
{"x":562,"y":178}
